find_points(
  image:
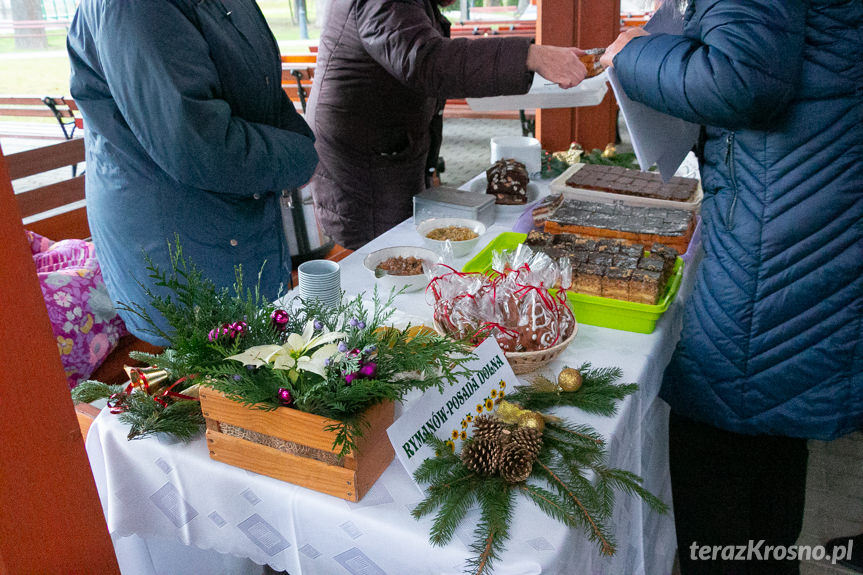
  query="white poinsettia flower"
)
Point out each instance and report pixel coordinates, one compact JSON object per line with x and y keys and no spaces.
{"x":257,"y":355}
{"x":315,"y":363}
{"x":294,"y":353}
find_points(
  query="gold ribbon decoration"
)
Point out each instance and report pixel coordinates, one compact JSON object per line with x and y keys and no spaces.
{"x":514,"y":414}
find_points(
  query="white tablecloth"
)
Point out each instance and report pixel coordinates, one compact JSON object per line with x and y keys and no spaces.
{"x":165,"y":501}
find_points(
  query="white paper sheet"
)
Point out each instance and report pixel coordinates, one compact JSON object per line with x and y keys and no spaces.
{"x":657,"y":138}
{"x":545,"y":94}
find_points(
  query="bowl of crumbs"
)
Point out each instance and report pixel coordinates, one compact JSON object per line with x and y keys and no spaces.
{"x":462,"y":234}
{"x":401,"y":267}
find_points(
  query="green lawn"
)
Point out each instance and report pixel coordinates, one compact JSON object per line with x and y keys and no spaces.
{"x":35,"y":73}
{"x":39,"y":74}
{"x":35,"y":76}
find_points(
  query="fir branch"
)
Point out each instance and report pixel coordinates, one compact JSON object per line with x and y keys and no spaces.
{"x":550,"y":503}
{"x":598,"y":394}
{"x":631,"y":484}
{"x":567,"y":431}
{"x":496,"y":499}
{"x":91,"y":390}
{"x":454,"y":505}
{"x":446,"y":475}
{"x":596,"y":531}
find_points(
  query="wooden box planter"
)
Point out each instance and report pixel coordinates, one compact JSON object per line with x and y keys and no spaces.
{"x":292,"y":445}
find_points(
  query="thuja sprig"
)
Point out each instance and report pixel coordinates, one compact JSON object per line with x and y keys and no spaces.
{"x":183,"y":419}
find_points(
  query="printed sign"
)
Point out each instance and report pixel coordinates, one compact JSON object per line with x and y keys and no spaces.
{"x":448,"y":415}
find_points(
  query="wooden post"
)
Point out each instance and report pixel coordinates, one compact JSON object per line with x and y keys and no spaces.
{"x":585,"y":24}
{"x":51,"y":520}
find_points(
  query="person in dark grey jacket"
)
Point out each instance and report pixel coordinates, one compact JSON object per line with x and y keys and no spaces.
{"x":188,"y":132}
{"x":771,"y":351}
{"x":383,"y":66}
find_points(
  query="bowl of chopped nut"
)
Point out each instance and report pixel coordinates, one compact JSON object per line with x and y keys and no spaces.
{"x":401,"y":267}
{"x":461,"y":233}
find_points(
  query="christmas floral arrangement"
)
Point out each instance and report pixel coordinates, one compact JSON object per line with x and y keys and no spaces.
{"x":332,"y":361}
{"x":523,"y":450}
{"x":554,"y":164}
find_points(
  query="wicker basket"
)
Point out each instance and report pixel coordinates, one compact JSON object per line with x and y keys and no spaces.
{"x":527,"y":361}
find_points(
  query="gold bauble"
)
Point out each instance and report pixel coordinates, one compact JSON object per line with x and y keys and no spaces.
{"x":569,"y":379}
{"x":609,"y":152}
{"x":532,"y":420}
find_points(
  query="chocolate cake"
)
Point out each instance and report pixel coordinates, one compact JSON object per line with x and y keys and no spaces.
{"x":610,"y":267}
{"x":620,"y":180}
{"x":669,"y":226}
{"x":507,"y":182}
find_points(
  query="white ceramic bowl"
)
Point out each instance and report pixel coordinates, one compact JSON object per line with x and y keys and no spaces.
{"x":410,"y":283}
{"x":459,"y":249}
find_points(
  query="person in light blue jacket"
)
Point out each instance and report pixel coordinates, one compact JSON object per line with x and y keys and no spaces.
{"x":771,"y":351}
{"x":188,"y":133}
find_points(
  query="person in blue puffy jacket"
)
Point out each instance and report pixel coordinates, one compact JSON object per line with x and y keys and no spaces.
{"x":188,"y":133}
{"x":771,"y":351}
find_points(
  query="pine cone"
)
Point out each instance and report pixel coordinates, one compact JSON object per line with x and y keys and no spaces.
{"x":482,"y":455}
{"x":527,"y":438}
{"x":516,"y":463}
{"x":486,"y":427}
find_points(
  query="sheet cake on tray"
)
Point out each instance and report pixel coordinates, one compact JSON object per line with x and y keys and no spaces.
{"x":672,"y":227}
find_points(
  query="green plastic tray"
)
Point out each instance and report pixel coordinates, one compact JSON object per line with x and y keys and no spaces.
{"x":589,"y":309}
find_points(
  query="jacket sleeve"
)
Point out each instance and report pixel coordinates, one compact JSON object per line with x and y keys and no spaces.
{"x":400,"y":36}
{"x":164,"y":83}
{"x":741,"y":71}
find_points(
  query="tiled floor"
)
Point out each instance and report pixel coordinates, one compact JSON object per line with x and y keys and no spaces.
{"x":465,"y":147}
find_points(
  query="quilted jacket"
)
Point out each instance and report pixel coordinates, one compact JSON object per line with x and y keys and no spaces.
{"x":188,"y":132}
{"x":382,"y":67}
{"x":772,"y":341}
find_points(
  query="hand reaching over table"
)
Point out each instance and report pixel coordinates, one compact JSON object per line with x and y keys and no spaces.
{"x":607,"y":59}
{"x":557,"y":64}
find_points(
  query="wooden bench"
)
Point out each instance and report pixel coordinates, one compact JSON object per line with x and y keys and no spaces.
{"x":298,"y":71}
{"x":58,"y":211}
{"x":46,"y":113}
{"x":525,"y":28}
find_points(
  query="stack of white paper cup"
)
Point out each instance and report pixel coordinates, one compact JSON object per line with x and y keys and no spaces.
{"x":320,"y":280}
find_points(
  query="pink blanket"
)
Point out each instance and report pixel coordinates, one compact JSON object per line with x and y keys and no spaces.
{"x":85,"y":323}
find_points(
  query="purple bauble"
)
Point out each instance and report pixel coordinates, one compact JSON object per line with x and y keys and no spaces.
{"x":280,"y":319}
{"x":349,"y":378}
{"x":213,"y":335}
{"x":368,"y":369}
{"x":285,"y":397}
{"x":238,"y":328}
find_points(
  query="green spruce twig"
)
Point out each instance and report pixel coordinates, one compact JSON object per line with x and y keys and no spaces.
{"x":598,"y":394}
